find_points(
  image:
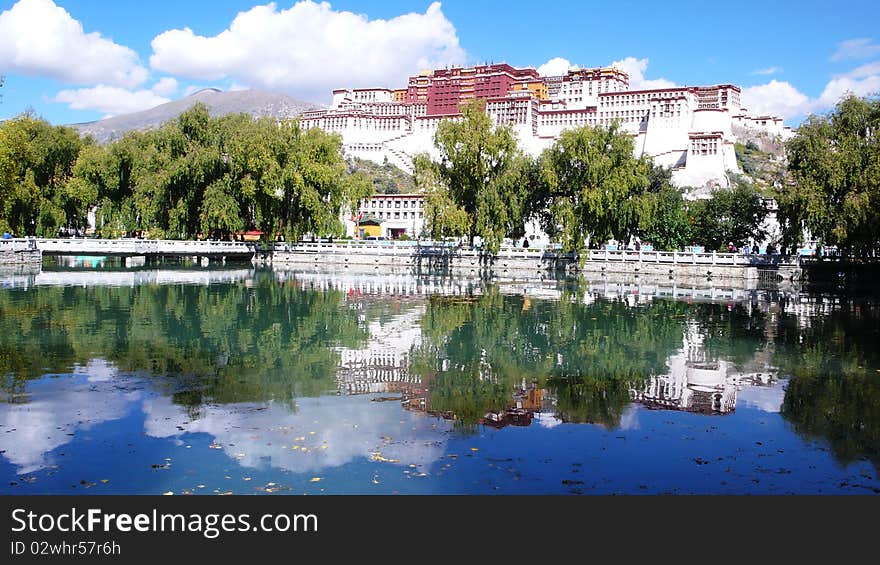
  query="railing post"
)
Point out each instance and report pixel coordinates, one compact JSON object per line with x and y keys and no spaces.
{"x":714,"y":256}
{"x":675,"y":257}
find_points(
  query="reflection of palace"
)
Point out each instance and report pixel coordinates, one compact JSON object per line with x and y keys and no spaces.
{"x":382,"y":365}
{"x":696,"y":382}
{"x":528,"y":402}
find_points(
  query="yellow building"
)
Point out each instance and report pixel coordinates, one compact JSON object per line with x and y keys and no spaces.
{"x":369,"y":226}
{"x":537,"y":87}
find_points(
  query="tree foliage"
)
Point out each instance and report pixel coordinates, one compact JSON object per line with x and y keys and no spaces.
{"x":443,"y":217}
{"x":735,"y":215}
{"x":591,"y":185}
{"x":834,"y":161}
{"x":195,"y":175}
{"x":484,"y":173}
{"x":36,"y":169}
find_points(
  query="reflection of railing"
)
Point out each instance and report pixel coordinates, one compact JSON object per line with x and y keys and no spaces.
{"x":434,"y":248}
{"x":92,"y":278}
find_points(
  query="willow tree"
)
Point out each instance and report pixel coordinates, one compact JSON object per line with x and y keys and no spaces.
{"x":199,"y":174}
{"x":36,"y":164}
{"x":834,"y":161}
{"x":484,"y":172}
{"x":308,"y":183}
{"x":443,"y":217}
{"x":590,"y":184}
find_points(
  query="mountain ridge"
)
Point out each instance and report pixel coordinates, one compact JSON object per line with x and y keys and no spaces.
{"x":254,"y":102}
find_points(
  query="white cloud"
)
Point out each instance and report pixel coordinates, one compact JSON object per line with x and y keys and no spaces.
{"x":165,"y":86}
{"x":767,"y":71}
{"x":557,"y":66}
{"x":111,"y":100}
{"x":858,"y":48}
{"x":309,"y":49}
{"x":776,"y":98}
{"x":780,"y":98}
{"x":843,"y":85}
{"x":38,"y":37}
{"x":636,"y":68}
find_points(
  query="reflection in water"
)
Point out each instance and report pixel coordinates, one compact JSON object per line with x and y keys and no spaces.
{"x":303,"y":372}
{"x":52,"y":414}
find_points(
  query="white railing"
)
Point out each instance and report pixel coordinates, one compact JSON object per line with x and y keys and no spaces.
{"x":18,"y":245}
{"x":677,"y":257}
{"x":131,"y":246}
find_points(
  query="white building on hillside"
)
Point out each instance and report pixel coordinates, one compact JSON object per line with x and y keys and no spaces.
{"x":687,"y":128}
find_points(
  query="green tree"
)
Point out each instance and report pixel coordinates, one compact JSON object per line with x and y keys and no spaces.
{"x":484,"y":173}
{"x":443,"y":217}
{"x":733,"y":215}
{"x":36,"y":164}
{"x":834,"y":161}
{"x":590,"y":186}
{"x":215,"y":176}
{"x":663,"y":218}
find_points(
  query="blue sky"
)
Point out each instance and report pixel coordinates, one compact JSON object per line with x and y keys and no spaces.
{"x":80,"y":60}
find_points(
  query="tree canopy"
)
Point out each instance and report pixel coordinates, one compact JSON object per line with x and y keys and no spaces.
{"x":731,"y":215}
{"x":834,"y":161}
{"x":592,"y":187}
{"x":482,"y":171}
{"x":196,"y":174}
{"x":36,"y":169}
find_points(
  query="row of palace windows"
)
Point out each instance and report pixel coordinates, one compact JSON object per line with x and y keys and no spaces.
{"x":409,"y":203}
{"x":397,"y":215}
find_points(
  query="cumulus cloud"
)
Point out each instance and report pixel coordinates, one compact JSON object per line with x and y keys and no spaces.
{"x":780,"y":98}
{"x":636,"y":68}
{"x":309,"y":49}
{"x":776,"y":98}
{"x":858,"y":48}
{"x":165,"y":86}
{"x":38,"y":37}
{"x":111,"y":100}
{"x":843,"y":85}
{"x":557,"y":66}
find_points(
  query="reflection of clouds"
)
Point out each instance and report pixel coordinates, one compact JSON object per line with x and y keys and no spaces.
{"x":766,"y":398}
{"x":629,"y":420}
{"x":260,"y":435}
{"x":60,"y":406}
{"x":547,"y":420}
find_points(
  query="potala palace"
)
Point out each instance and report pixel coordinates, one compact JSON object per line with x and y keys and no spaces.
{"x":691,"y":129}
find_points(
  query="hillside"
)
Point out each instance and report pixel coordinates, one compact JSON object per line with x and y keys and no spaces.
{"x":764,"y":168}
{"x":254,"y":102}
{"x":387,"y":178}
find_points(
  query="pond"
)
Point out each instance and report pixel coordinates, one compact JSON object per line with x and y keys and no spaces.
{"x":244,"y":381}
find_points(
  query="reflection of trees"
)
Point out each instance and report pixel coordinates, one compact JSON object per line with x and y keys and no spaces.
{"x":834,"y":387}
{"x":591,"y":400}
{"x":226,"y":343}
{"x":732,"y":333}
{"x":478,"y":351}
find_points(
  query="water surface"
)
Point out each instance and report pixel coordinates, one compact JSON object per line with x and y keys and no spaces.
{"x":215,"y":381}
